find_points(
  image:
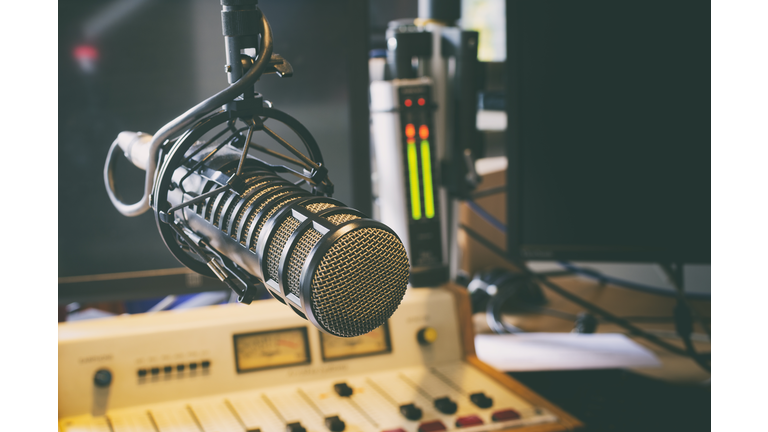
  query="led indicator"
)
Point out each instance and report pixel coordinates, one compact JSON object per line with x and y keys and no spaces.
{"x":422,"y":101}
{"x":423,"y":132}
{"x":426,"y":168}
{"x":413,"y":174}
{"x":410,"y":131}
{"x":408,"y":102}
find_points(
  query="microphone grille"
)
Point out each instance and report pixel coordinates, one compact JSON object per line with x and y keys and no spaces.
{"x":359,"y":282}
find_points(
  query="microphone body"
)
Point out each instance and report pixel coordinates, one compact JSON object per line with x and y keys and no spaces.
{"x":223,"y":212}
{"x":332,"y":265}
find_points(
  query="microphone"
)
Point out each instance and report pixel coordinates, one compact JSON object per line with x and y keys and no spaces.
{"x":332,"y":265}
{"x":225,"y":213}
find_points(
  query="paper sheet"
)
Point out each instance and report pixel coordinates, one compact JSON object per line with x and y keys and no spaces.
{"x":562,"y":351}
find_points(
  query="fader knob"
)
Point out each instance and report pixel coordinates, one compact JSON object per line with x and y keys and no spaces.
{"x":335,"y":424}
{"x":481,"y":400}
{"x":445,"y":405}
{"x":410,"y":411}
{"x":295,"y":427}
{"x":426,"y":335}
{"x":342,"y":389}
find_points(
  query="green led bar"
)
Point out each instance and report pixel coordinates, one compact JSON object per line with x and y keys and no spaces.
{"x":413,"y":174}
{"x":426,"y":169}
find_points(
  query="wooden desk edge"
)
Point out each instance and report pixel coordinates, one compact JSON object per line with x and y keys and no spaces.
{"x":464,"y":312}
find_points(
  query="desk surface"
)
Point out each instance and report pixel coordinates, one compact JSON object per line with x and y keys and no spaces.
{"x":674,"y":397}
{"x":622,"y":302}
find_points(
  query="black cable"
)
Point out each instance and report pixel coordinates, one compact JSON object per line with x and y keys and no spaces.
{"x":684,"y":314}
{"x":633,"y":330}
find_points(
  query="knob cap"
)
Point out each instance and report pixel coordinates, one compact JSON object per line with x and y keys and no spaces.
{"x":102,"y":378}
{"x":445,"y":405}
{"x":335,"y":424}
{"x":410,"y":411}
{"x":427,"y":335}
{"x":342,"y":389}
{"x":481,"y":400}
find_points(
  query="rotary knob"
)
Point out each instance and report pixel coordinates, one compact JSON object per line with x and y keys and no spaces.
{"x":426,"y":335}
{"x":102,"y":378}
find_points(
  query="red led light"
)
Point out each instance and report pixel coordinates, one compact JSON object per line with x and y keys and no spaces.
{"x":408,"y":102}
{"x":422,"y":101}
{"x":423,"y":132}
{"x":410,"y":131}
{"x":85,"y":52}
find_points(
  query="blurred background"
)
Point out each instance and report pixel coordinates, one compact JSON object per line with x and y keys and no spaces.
{"x":137,"y":64}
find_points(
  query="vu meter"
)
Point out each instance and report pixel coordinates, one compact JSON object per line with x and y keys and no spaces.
{"x":405,"y":178}
{"x":271,"y":349}
{"x":337,"y":348}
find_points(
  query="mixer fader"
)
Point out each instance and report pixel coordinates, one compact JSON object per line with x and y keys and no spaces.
{"x":269,"y":372}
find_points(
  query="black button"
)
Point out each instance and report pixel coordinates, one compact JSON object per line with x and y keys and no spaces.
{"x":294,"y":427}
{"x":180,"y":368}
{"x":102,"y":378}
{"x":193,"y":366}
{"x":445,"y":405}
{"x":342,"y":389}
{"x":335,"y":424}
{"x":155,"y":371}
{"x":142,"y":373}
{"x":410,"y":411}
{"x":254,"y":430}
{"x":481,"y":400}
{"x":205,"y":364}
{"x":168,"y":369}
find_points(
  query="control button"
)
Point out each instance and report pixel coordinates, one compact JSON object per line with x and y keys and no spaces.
{"x":142,"y":373}
{"x":205,"y":364}
{"x":335,"y":424}
{"x":468,"y":421}
{"x":180,"y":368}
{"x":504,"y":415}
{"x":294,"y":427}
{"x":254,"y":430}
{"x":432,"y":426}
{"x":481,"y":400}
{"x":192,"y":366}
{"x":445,"y":405}
{"x":427,"y":335}
{"x":343,"y":390}
{"x":168,"y":369}
{"x":102,"y":378}
{"x":155,"y":371}
{"x":410,"y":411}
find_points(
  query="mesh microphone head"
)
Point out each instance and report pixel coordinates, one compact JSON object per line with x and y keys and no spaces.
{"x":345,"y":273}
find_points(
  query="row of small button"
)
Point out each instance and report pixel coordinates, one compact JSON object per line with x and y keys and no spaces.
{"x":143,"y":372}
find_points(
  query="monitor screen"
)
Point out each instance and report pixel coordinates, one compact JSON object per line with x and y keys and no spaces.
{"x":608,"y":136}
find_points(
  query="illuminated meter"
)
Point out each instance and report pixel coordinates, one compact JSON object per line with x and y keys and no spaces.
{"x":406,"y":193}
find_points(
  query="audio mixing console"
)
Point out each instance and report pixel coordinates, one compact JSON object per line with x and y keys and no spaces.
{"x":262,"y":368}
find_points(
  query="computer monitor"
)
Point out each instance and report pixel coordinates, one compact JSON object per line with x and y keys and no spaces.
{"x":608,"y":137}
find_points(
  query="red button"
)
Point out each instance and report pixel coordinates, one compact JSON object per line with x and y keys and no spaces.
{"x":504,"y":415}
{"x":432,"y":426}
{"x":467,"y":421}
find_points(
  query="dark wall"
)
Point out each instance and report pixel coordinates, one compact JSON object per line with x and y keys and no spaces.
{"x":158,"y":60}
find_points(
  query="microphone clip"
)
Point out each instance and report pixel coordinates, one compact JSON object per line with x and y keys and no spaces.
{"x":319,"y":176}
